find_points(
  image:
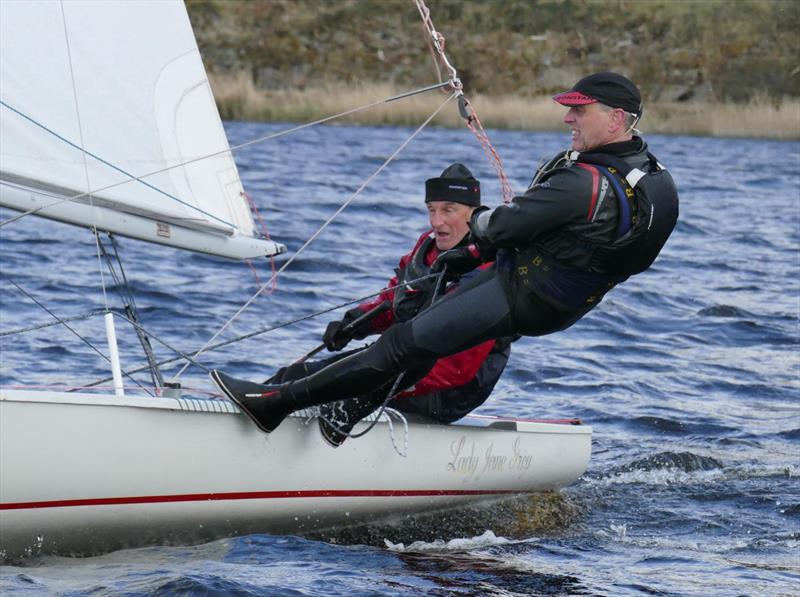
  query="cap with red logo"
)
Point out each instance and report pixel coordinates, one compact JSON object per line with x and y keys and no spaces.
{"x":607,"y":88}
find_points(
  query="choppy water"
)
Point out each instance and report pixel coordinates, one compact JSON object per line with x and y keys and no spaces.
{"x":689,"y":374}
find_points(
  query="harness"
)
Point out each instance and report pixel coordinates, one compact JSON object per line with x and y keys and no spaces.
{"x":648,"y":210}
{"x":410,"y":298}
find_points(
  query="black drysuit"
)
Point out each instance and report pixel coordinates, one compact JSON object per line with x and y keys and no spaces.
{"x":551,"y":269}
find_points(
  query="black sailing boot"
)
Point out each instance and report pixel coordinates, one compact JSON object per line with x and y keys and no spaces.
{"x":337,"y":419}
{"x":266,"y":406}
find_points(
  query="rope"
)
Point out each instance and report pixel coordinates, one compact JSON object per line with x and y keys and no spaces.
{"x":211,"y":155}
{"x":263,"y":226}
{"x":437,"y":43}
{"x":321,"y":228}
{"x":470,"y":117}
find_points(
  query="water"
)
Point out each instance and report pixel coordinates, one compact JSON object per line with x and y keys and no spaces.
{"x":689,"y":374}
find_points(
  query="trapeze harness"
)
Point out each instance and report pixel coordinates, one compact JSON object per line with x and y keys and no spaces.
{"x":648,"y":210}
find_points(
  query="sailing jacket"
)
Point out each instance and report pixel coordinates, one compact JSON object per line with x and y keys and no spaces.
{"x":562,"y":238}
{"x":458,"y":383}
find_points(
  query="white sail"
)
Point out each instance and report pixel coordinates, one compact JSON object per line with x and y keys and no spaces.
{"x":97,"y":93}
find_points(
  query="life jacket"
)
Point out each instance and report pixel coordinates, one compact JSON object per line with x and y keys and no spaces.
{"x":648,"y":211}
{"x":412,"y":296}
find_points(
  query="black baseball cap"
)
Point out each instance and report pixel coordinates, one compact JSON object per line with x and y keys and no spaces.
{"x":456,"y":184}
{"x":608,"y":88}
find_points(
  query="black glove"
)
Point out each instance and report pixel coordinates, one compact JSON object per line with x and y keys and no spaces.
{"x":477,"y":235}
{"x":457,"y":261}
{"x":336,"y":335}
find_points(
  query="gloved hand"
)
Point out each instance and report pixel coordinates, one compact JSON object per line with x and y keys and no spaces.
{"x":478,"y":232}
{"x":336,"y":337}
{"x":457,"y":261}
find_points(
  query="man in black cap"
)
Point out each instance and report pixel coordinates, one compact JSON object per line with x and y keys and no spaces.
{"x":456,"y":384}
{"x":593,"y":216}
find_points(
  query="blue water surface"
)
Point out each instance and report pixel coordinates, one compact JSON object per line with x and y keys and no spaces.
{"x":689,"y":375}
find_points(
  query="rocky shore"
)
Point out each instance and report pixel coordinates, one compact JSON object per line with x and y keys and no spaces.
{"x":689,"y":58}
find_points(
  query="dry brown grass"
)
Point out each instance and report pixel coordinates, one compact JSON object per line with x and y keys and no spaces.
{"x":238,"y":99}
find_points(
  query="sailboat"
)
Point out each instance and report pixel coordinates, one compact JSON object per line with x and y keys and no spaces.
{"x":108,"y":122}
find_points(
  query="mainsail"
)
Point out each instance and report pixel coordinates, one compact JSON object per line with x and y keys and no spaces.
{"x":96,"y":95}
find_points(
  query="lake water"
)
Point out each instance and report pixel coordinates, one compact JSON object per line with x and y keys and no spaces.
{"x":689,"y":375}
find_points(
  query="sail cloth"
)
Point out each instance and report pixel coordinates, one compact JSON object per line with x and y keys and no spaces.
{"x":124,"y":81}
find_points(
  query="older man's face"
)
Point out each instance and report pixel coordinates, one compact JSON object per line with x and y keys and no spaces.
{"x":591,"y":126}
{"x":450,"y":222}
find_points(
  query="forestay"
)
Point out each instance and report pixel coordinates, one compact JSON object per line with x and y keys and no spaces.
{"x":95,"y":94}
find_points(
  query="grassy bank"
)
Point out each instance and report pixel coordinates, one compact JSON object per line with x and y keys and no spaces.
{"x":238,"y":99}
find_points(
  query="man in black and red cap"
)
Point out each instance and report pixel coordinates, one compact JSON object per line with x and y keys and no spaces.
{"x":457,"y":384}
{"x":593,"y":216}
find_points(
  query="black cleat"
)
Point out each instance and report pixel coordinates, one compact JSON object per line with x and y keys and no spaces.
{"x":259,"y":402}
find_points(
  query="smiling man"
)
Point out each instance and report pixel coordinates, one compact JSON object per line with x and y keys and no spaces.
{"x":592,"y":217}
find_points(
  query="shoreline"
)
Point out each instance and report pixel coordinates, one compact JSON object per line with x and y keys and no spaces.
{"x":238,"y":99}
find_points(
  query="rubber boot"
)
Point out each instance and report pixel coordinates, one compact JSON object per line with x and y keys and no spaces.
{"x":356,"y":375}
{"x":337,"y":419}
{"x":266,"y":405}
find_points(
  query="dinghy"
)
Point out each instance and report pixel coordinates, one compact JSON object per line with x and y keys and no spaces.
{"x":84,"y":473}
{"x":108,"y":122}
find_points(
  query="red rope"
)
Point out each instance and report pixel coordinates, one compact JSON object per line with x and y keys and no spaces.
{"x":474,"y":124}
{"x":262,"y":226}
{"x":436,"y":42}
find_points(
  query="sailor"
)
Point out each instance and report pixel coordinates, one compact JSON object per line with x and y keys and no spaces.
{"x":592,"y":217}
{"x":457,"y":384}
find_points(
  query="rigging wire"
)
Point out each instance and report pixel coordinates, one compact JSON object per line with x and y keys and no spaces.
{"x":84,"y":340}
{"x":41,"y":326}
{"x":83,"y":153}
{"x":127,"y":299}
{"x":131,"y":177}
{"x":320,"y":229}
{"x":268,"y":329}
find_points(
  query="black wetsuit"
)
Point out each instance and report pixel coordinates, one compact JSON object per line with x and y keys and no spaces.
{"x":441,"y":399}
{"x":556,"y":260}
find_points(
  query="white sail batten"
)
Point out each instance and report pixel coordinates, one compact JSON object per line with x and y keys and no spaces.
{"x":97,"y":93}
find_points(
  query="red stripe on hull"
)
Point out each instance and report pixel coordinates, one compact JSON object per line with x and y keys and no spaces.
{"x":253,"y":495}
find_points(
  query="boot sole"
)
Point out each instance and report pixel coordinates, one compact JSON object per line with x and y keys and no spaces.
{"x":323,"y":431}
{"x":220,"y":383}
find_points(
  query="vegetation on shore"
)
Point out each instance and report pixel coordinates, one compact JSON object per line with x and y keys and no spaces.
{"x":299,"y":60}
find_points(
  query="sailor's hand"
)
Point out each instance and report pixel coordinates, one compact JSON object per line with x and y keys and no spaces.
{"x":457,"y":261}
{"x":478,"y":233}
{"x":339,"y":333}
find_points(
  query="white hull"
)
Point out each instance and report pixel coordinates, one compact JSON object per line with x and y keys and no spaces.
{"x":85,"y":473}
